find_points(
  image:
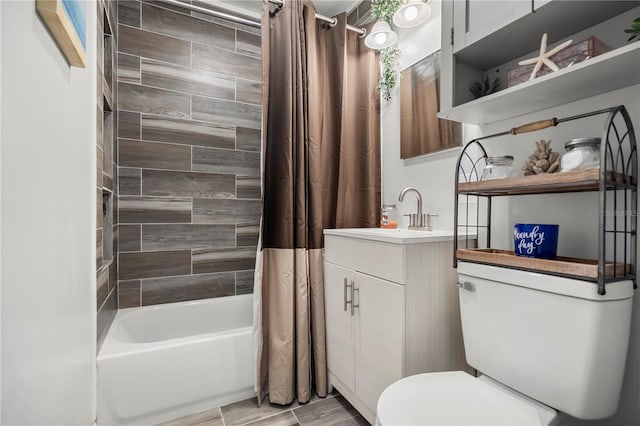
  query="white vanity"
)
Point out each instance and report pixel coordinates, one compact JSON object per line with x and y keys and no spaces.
{"x":392,"y":309}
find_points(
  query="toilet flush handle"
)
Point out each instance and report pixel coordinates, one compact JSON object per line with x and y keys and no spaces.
{"x":466,"y":285}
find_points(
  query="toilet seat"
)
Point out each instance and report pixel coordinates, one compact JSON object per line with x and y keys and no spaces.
{"x":457,"y":398}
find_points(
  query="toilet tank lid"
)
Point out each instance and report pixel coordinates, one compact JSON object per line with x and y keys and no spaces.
{"x":553,"y":284}
{"x":456,"y":398}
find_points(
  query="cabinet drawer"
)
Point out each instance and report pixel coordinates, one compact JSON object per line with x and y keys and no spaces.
{"x":380,"y":259}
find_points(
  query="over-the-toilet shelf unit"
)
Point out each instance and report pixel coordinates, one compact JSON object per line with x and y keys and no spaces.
{"x":615,"y":180}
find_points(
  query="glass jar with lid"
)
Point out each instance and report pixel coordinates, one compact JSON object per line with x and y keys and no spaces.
{"x":498,"y":168}
{"x":581,"y":153}
{"x":389,"y":216}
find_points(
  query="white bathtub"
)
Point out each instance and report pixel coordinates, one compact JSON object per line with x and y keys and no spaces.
{"x":165,"y":361}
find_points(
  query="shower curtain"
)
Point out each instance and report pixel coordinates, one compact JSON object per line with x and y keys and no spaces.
{"x":321,"y":169}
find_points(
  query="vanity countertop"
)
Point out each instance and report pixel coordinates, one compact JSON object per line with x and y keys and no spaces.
{"x":395,"y":236}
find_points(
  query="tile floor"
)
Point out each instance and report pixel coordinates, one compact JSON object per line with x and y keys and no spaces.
{"x":332,"y":410}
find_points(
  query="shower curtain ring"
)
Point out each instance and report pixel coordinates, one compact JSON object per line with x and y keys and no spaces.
{"x":334,"y":22}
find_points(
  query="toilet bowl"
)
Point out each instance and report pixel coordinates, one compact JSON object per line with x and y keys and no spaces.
{"x":544,"y":346}
{"x":457,"y":398}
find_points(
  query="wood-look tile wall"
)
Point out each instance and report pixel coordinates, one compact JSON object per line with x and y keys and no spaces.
{"x":106,"y":156}
{"x":189,"y":109}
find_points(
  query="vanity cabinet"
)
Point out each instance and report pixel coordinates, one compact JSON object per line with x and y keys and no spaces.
{"x":391,"y":309}
{"x":488,"y":38}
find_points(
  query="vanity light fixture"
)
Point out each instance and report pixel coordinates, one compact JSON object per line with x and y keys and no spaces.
{"x":412,"y":13}
{"x":381,"y":36}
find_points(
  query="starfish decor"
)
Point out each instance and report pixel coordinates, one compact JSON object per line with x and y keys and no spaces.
{"x":544,"y":56}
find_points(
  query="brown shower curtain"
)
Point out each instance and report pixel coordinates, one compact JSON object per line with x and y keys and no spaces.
{"x":321,"y":158}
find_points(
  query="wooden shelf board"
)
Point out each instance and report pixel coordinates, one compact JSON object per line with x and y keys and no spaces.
{"x":610,"y":71}
{"x":566,"y":266}
{"x":575,"y":181}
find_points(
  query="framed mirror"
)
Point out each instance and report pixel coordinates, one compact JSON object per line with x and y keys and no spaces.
{"x":421,"y":131}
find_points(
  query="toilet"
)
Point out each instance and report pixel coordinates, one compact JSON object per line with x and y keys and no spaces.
{"x":542,"y":345}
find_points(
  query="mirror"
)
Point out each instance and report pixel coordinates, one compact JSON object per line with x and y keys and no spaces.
{"x":421,"y":131}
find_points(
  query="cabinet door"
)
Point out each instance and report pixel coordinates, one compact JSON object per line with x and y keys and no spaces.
{"x":339,"y":323}
{"x":379,"y":336}
{"x":475,"y":19}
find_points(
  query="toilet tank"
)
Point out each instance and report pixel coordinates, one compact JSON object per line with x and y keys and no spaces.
{"x":553,"y":339}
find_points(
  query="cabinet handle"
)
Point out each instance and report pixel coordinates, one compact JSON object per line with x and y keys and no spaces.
{"x":353,"y":298}
{"x":346,"y":302}
{"x":466,"y":285}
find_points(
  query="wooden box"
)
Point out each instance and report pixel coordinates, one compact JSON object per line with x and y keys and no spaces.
{"x":573,"y":54}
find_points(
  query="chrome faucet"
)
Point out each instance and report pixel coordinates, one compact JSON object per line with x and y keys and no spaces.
{"x":418,"y":220}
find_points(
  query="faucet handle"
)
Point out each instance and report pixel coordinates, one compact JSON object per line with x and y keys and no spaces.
{"x":412,"y":219}
{"x":433,"y":214}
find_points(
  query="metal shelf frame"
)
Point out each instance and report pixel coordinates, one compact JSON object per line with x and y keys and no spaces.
{"x":616,"y":182}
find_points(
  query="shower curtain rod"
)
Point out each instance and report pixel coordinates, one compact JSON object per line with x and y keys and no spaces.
{"x":249,"y":22}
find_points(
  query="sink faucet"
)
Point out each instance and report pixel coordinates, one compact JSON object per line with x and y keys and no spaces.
{"x":418,"y":220}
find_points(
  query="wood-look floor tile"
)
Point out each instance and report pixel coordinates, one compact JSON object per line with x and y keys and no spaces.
{"x":190,"y":287}
{"x":352,"y":421}
{"x":185,"y":184}
{"x":128,"y":294}
{"x":128,"y":68}
{"x":153,"y":155}
{"x":129,"y":181}
{"x":129,"y":13}
{"x":249,"y":44}
{"x":247,"y":411}
{"x":248,"y":187}
{"x":206,"y":418}
{"x":325,"y":412}
{"x":186,"y":27}
{"x":248,"y":139}
{"x":247,"y":235}
{"x":154,"y":210}
{"x":132,"y":97}
{"x":155,"y":46}
{"x":249,"y":91}
{"x":187,"y":236}
{"x":190,"y":80}
{"x":188,"y":132}
{"x":283,"y":419}
{"x":243,"y":163}
{"x":128,"y":125}
{"x":244,"y":282}
{"x":226,"y":112}
{"x":154,"y":264}
{"x":222,"y":260}
{"x":129,"y":238}
{"x":225,"y":62}
{"x":226,"y":211}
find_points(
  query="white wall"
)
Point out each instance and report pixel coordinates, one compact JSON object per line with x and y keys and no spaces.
{"x":577,"y":214}
{"x":432,"y":174}
{"x":48,"y":169}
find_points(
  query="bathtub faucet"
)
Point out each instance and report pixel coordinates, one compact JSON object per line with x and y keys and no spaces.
{"x":418,"y":221}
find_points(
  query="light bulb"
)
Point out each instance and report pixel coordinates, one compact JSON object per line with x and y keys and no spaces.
{"x":411,"y":13}
{"x":381,"y":38}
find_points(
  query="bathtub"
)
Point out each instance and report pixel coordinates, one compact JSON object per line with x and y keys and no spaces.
{"x":166,"y":361}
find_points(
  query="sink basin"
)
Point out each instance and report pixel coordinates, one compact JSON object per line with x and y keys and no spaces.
{"x":396,"y":236}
